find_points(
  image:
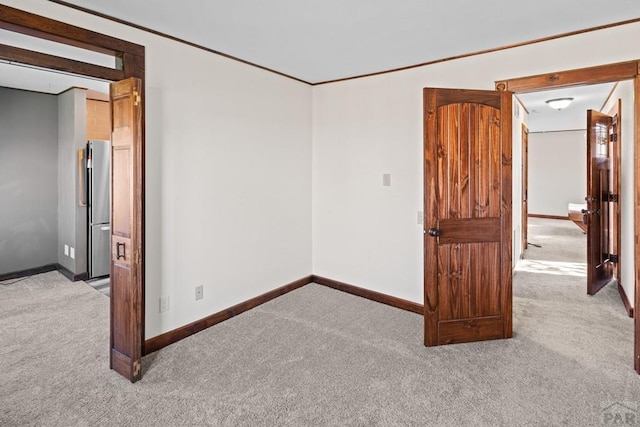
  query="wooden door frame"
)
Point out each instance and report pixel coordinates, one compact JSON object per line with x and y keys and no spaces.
{"x":130,"y":62}
{"x":524,"y":234}
{"x":614,"y":111}
{"x":587,"y":76}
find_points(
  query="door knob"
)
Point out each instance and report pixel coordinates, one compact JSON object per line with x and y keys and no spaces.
{"x":434,"y":232}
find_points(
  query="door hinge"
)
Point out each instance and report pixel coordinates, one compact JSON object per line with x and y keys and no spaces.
{"x":136,"y":368}
{"x":136,"y":98}
{"x":611,"y":197}
{"x":613,"y":137}
{"x":610,"y":257}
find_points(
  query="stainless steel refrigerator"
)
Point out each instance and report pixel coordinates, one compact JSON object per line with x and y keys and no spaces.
{"x":99,"y":208}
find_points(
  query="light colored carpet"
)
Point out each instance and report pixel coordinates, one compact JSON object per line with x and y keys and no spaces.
{"x":317,"y":356}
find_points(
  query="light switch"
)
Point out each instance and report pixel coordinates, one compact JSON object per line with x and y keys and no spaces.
{"x":386,"y":180}
{"x":72,"y":253}
{"x":420,"y":218}
{"x":66,"y":250}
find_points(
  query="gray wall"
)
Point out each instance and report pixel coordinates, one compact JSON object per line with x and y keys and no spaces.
{"x":28,"y":180}
{"x":72,"y":219}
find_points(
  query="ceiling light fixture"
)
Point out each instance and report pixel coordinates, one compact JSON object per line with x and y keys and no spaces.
{"x":559,"y":103}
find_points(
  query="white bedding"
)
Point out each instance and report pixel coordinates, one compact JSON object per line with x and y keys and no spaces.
{"x":576,"y":207}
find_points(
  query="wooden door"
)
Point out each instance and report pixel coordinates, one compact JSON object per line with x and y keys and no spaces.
{"x":525,"y":187}
{"x":127,"y":332}
{"x":599,"y":189}
{"x":467,"y":202}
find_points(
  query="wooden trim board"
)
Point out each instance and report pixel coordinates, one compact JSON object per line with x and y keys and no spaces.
{"x":70,"y":275}
{"x":173,"y":38}
{"x":156,"y":343}
{"x":130,"y":58}
{"x":173,"y":336}
{"x":370,"y":295}
{"x":408,"y":67}
{"x":531,"y":215}
{"x":625,"y":300}
{"x":586,"y":76}
{"x":636,"y":258}
{"x":28,"y":272}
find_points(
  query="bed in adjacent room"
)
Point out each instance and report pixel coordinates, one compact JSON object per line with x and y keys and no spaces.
{"x":576,"y":215}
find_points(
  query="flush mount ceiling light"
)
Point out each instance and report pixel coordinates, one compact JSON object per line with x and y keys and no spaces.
{"x":559,"y":103}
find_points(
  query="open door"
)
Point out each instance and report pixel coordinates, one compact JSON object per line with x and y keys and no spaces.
{"x":600,"y":198}
{"x":467,"y":202}
{"x":127,"y":332}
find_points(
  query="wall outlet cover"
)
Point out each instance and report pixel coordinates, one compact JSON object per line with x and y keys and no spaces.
{"x":199,"y":292}
{"x":66,"y":250}
{"x":72,"y":253}
{"x":164,"y":304}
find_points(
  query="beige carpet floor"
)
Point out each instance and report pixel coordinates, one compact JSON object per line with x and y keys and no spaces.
{"x":317,"y":356}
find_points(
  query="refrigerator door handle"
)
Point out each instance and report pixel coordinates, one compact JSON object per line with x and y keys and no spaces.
{"x":82,"y":197}
{"x":105,"y":228}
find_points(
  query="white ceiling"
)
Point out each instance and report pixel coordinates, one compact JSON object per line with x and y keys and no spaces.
{"x":321,"y":40}
{"x":543,"y":118}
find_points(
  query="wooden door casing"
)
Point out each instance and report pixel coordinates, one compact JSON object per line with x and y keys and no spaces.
{"x":525,"y":188}
{"x":127,"y":335}
{"x":615,"y":148}
{"x":467,"y":265}
{"x":131,"y":63}
{"x":591,"y":75}
{"x":599,"y":186}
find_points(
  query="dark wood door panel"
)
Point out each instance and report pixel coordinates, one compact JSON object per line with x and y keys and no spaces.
{"x":468,"y":161}
{"x":470,"y":230}
{"x":121,"y":221}
{"x":127,"y":332}
{"x":470,"y":330}
{"x":467,"y":211}
{"x":446,"y":96}
{"x":469,"y":280}
{"x":599,"y":186}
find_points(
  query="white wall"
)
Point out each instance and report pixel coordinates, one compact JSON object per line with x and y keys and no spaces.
{"x":626,"y":139}
{"x":367,"y":234}
{"x":557,"y":171}
{"x":231,"y":202}
{"x":228,"y":181}
{"x":28,"y":180}
{"x":72,"y":218}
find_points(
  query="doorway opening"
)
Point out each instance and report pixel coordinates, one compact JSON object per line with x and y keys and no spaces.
{"x":560,"y":179}
{"x":592,"y":76}
{"x":127,"y":66}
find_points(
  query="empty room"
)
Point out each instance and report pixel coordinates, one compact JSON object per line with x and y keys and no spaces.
{"x":318,"y":215}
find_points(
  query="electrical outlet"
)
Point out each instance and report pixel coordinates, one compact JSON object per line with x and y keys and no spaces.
{"x":164,"y":304}
{"x":66,"y":250}
{"x":199,"y":294}
{"x":386,"y":180}
{"x":72,"y":253}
